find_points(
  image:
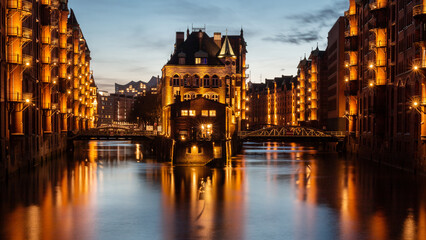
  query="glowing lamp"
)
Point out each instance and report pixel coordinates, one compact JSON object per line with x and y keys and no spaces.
{"x":371,"y":84}
{"x":415,"y":104}
{"x":416,"y":67}
{"x":27,"y":100}
{"x":371,"y":66}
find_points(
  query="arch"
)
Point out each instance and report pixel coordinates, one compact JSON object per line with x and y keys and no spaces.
{"x":187,"y":81}
{"x":175,"y":80}
{"x":196,"y":81}
{"x":206,"y":81}
{"x":215,"y":81}
{"x":189,"y":96}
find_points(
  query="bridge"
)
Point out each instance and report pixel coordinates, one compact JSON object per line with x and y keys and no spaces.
{"x":292,"y":134}
{"x":114,"y":133}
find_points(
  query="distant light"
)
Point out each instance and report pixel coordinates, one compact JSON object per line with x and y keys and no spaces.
{"x":371,"y":84}
{"x":416,"y":67}
{"x":27,"y":100}
{"x":371,"y":66}
{"x":415,"y":104}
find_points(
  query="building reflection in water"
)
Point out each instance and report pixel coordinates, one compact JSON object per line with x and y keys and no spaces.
{"x":308,"y":194}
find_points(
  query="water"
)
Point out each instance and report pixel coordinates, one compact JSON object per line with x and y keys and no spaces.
{"x":108,"y":190}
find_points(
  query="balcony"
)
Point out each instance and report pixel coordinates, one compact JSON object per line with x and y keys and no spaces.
{"x":349,"y":33}
{"x":419,"y":11}
{"x":349,"y":13}
{"x":14,"y":59}
{"x":378,"y":5}
{"x":14,"y":32}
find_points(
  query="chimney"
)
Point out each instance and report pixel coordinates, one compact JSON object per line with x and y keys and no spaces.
{"x":218,"y":39}
{"x":180,"y":38}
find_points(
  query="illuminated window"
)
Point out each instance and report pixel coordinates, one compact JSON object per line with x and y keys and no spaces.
{"x":184,"y":113}
{"x":205,"y":113}
{"x":215,"y":97}
{"x":197,"y":61}
{"x":187,"y":97}
{"x":192,"y":113}
{"x":212,"y":113}
{"x":206,"y":96}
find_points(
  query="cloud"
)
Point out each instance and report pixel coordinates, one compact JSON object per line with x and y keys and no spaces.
{"x":295,"y":37}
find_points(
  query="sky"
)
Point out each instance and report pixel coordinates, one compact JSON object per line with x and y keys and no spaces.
{"x":133,"y":39}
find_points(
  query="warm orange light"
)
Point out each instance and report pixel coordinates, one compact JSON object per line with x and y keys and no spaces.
{"x":415,"y":104}
{"x":27,"y":100}
{"x":371,"y":84}
{"x":371,"y":66}
{"x":416,"y":67}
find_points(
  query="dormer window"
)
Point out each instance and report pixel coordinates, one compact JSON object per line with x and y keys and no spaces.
{"x":181,"y":61}
{"x":197,"y":61}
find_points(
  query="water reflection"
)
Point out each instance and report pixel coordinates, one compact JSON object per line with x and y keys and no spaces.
{"x":109,"y":190}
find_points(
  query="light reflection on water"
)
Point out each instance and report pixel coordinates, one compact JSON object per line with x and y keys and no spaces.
{"x":108,"y":190}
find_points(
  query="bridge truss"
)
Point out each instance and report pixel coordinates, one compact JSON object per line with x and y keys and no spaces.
{"x":292,"y":132}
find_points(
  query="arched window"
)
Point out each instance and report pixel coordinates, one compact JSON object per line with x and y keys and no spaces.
{"x":207,"y":96}
{"x":215,"y":81}
{"x":206,"y":81}
{"x":187,"y":81}
{"x":196,"y":82}
{"x":215,"y":97}
{"x":189,"y":96}
{"x":176,"y":80}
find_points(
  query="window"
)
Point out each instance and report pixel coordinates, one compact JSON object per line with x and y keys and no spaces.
{"x":184,"y":113}
{"x":215,"y":81}
{"x":197,"y":61}
{"x":204,"y":61}
{"x":187,"y":97}
{"x":181,"y":61}
{"x":176,"y":81}
{"x":206,"y":81}
{"x":206,"y":96}
{"x":205,"y":113}
{"x":215,"y":97}
{"x":192,"y":113}
{"x":212,"y":113}
{"x":187,"y":81}
{"x":196,"y":82}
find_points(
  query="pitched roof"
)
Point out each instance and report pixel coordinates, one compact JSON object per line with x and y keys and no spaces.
{"x":226,"y":50}
{"x":197,"y":43}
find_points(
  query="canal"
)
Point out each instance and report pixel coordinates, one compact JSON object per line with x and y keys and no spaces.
{"x":109,"y":190}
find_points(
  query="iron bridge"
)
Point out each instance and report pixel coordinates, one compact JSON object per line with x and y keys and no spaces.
{"x":114,"y":133}
{"x":293,"y":134}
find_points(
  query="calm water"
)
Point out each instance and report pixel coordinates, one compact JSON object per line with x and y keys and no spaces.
{"x":272,"y":191}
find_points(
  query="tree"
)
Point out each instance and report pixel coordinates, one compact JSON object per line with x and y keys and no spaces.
{"x":146,"y":110}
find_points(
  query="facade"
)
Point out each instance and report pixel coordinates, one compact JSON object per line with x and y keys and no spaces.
{"x":47,"y":88}
{"x":312,"y":99}
{"x":114,"y":108}
{"x":336,"y":106}
{"x":204,"y":72}
{"x":211,"y":67}
{"x":105,"y":108}
{"x":385,"y":54}
{"x":271,"y":103}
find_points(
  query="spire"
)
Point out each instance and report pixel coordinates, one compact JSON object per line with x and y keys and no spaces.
{"x":226,"y":50}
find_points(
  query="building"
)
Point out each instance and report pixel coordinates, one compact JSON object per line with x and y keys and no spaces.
{"x":105,"y":108}
{"x":210,"y":67}
{"x":213,"y":67}
{"x":385,"y":54}
{"x":139,"y":88}
{"x":312,"y":99}
{"x":270,"y":103}
{"x":114,"y":108}
{"x":47,"y":88}
{"x":336,"y":106}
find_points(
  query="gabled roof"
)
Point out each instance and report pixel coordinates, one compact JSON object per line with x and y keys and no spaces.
{"x":226,"y":50}
{"x":197,"y":43}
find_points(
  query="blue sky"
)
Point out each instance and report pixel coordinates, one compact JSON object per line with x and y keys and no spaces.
{"x":133,"y":39}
